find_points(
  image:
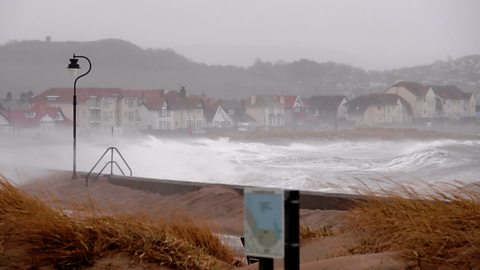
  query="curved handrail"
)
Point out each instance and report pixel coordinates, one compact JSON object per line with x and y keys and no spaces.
{"x":106,"y":164}
{"x":124,"y":161}
{"x":111,"y":162}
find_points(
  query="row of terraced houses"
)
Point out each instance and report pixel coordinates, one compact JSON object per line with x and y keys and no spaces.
{"x":123,"y":111}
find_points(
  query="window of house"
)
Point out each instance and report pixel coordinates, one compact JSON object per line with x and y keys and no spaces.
{"x":52,"y":98}
{"x":30,"y":115}
{"x":130,"y":116}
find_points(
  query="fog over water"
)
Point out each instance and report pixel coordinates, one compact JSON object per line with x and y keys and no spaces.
{"x":310,"y":164}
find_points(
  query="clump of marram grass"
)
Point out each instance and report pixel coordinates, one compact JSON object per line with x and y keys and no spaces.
{"x":438,"y":229}
{"x":307,"y":232}
{"x":34,"y":235}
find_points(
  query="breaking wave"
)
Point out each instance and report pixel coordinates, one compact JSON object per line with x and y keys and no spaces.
{"x":321,"y":165}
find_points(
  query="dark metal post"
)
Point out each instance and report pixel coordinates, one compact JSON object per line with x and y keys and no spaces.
{"x":74,"y":175}
{"x":111,"y":162}
{"x":265,"y":264}
{"x":292,"y":230}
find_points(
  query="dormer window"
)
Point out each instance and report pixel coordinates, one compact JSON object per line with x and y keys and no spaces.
{"x":30,"y":115}
{"x":52,"y":98}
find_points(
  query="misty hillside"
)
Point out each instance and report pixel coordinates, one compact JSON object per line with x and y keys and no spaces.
{"x":39,"y":65}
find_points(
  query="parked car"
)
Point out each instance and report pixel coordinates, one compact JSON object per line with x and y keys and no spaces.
{"x":245,"y":127}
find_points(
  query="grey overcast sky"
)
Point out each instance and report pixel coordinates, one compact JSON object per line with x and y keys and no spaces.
{"x":372,"y":34}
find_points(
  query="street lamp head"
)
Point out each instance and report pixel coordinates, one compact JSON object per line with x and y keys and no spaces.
{"x":74,"y":67}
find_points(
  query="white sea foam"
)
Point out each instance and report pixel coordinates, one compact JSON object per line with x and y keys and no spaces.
{"x":323,"y":165}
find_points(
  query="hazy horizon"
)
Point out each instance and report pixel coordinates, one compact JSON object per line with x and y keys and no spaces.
{"x":371,"y":34}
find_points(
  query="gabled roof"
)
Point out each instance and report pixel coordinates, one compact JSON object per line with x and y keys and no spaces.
{"x":209,"y":112}
{"x":83,"y":94}
{"x":4,"y":114}
{"x":152,"y":99}
{"x":175,"y":101}
{"x":326,"y":102}
{"x":33,"y":116}
{"x":194,"y":102}
{"x":288,"y":101}
{"x":415,"y":88}
{"x":450,"y":92}
{"x":360,"y":104}
{"x":239,"y":115}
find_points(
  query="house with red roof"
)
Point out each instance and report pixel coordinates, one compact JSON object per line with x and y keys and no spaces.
{"x":267,"y":112}
{"x":152,"y":110}
{"x":39,"y":119}
{"x":379,"y":108}
{"x":171,"y":110}
{"x":293,"y":107}
{"x":97,"y":108}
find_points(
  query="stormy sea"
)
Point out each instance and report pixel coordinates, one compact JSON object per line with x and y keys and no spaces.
{"x":328,"y":165}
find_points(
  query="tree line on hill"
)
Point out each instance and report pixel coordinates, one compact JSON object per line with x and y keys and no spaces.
{"x":38,"y":65}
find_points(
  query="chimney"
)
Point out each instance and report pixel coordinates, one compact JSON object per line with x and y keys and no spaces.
{"x":253,"y":100}
{"x":183,"y":91}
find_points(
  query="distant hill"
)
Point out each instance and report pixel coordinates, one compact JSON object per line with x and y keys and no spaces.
{"x":38,"y":65}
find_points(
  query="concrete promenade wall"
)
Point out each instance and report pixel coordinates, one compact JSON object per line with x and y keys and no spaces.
{"x":308,"y":199}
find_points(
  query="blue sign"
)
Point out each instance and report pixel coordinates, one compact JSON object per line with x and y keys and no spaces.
{"x":264,"y":222}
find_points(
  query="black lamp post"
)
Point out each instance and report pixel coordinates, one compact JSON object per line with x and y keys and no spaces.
{"x":74,"y":67}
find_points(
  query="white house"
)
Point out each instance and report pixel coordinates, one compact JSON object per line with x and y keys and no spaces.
{"x":374,"y":109}
{"x":217,"y":117}
{"x":152,"y":110}
{"x":293,"y":105}
{"x":436,"y":100}
{"x":39,"y":119}
{"x":267,"y":112}
{"x":452,"y":102}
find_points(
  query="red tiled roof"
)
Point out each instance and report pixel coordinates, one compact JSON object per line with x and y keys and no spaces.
{"x":288,"y":101}
{"x":175,"y":101}
{"x":32,"y":117}
{"x":66,"y":94}
{"x":152,"y":99}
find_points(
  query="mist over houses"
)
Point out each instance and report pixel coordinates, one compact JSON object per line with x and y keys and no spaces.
{"x":123,"y":111}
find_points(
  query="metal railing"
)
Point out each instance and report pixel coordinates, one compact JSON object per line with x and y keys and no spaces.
{"x":111,"y":163}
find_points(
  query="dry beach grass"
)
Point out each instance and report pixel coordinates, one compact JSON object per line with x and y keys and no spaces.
{"x":436,"y":230}
{"x":33,"y":234}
